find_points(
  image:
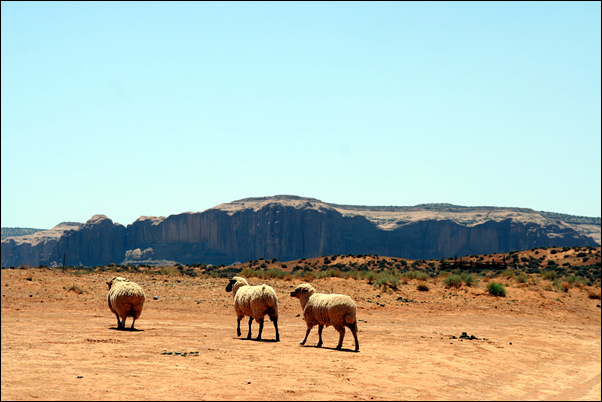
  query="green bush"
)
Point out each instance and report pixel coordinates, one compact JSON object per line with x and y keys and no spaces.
{"x":453,"y":281}
{"x":456,"y":280}
{"x":550,"y":275}
{"x":370,"y":276}
{"x":169,"y":271}
{"x":496,"y":289}
{"x":468,"y":279}
{"x":386,"y":280}
{"x":420,"y":275}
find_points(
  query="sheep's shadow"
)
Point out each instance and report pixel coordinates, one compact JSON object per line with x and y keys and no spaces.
{"x":257,"y":340}
{"x":331,"y":348}
{"x":126,"y":329}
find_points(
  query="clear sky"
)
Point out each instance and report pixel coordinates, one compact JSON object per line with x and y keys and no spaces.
{"x":130,"y":109}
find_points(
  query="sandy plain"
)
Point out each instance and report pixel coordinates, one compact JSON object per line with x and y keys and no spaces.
{"x":60,"y":342}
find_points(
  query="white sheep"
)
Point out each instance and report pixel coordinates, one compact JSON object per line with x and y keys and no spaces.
{"x":327,"y":309}
{"x":125,"y":300}
{"x":255,"y":302}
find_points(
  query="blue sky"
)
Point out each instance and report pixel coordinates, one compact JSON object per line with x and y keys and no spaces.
{"x":130,"y":109}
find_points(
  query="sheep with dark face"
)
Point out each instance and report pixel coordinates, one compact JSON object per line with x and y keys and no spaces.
{"x":125,"y":300}
{"x":327,"y":309}
{"x":255,"y":302}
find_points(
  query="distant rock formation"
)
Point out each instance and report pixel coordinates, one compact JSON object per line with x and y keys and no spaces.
{"x":12,"y":232}
{"x":288,"y":227}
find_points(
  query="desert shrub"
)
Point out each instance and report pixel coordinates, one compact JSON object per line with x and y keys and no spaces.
{"x":573,"y":279}
{"x":561,"y":285}
{"x":329,"y":273}
{"x":444,"y":274}
{"x":534,"y":263}
{"x":249,"y":273}
{"x":169,"y":271}
{"x":190,"y":272}
{"x":309,"y":276}
{"x":521,"y":278}
{"x":423,"y":287}
{"x":273,"y":273}
{"x":223,"y":273}
{"x":370,"y":276}
{"x":496,"y":289}
{"x":420,"y":275}
{"x":550,"y":275}
{"x":264,"y":274}
{"x":386,"y":280}
{"x":76,"y":289}
{"x":468,"y":279}
{"x":594,"y":294}
{"x":453,"y":280}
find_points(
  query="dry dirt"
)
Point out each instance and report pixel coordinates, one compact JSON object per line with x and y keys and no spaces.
{"x":60,"y":344}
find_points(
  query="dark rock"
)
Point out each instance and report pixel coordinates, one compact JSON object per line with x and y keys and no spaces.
{"x":291,"y":227}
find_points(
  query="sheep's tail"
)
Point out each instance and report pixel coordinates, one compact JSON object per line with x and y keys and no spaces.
{"x":271,"y":300}
{"x":350,"y":317}
{"x":273,"y":307}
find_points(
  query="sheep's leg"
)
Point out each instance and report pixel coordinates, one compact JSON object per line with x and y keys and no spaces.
{"x":341,"y":336}
{"x":260,"y":329}
{"x":123,"y":322}
{"x":118,"y":321}
{"x":320,"y":328}
{"x":132,"y":327}
{"x":238,"y":326}
{"x":250,"y":321}
{"x":353,"y":328}
{"x":309,"y":327}
{"x":275,"y":321}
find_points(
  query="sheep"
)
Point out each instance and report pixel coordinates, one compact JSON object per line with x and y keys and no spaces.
{"x":125,"y":300}
{"x":254,"y":301}
{"x":327,"y":309}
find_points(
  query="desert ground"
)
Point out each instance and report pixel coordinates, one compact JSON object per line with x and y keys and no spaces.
{"x":60,"y":342}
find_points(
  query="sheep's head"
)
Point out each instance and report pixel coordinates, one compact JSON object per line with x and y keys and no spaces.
{"x":236,"y":281}
{"x":116,"y":279}
{"x":305,"y":289}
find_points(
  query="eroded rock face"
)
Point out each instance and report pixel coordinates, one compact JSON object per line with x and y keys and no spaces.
{"x":99,"y":241}
{"x":290,"y":227}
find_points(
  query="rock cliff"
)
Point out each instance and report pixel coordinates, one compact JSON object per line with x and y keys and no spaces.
{"x":291,"y":227}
